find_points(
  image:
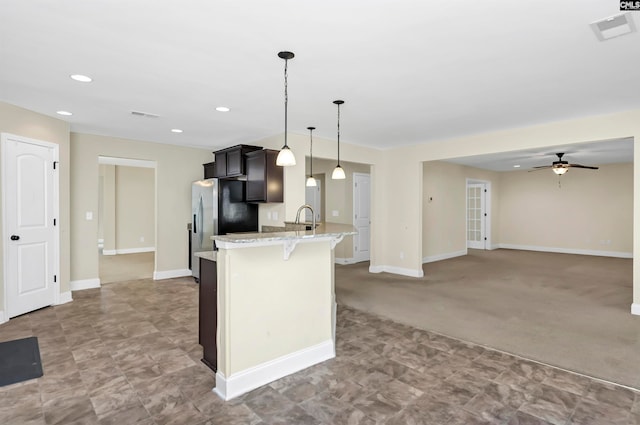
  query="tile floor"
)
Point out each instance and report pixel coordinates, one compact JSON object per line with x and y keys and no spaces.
{"x":128,"y":353}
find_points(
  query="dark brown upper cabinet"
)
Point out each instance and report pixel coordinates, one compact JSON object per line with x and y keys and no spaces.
{"x":209,"y":170}
{"x":265,"y":180}
{"x":230,"y":162}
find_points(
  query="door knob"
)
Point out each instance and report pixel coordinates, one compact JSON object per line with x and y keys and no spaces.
{"x":15,"y":237}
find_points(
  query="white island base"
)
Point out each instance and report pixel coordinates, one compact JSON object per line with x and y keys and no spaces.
{"x":276,"y":305}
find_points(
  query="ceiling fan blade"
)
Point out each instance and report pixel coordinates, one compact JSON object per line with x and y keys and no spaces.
{"x":582,"y":166}
{"x":542,"y":167}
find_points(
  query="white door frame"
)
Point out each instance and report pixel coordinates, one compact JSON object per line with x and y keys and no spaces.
{"x":487,"y":210}
{"x":4,"y":138}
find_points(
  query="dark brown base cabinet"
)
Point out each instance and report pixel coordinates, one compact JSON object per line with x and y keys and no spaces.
{"x":208,"y":313}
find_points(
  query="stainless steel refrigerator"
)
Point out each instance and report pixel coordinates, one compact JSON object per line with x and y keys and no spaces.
{"x":218,"y":207}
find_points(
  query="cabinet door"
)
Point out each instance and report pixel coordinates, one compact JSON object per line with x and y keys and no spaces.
{"x":235,"y":166}
{"x":256,"y":173}
{"x":209,"y":170}
{"x":220,"y":166}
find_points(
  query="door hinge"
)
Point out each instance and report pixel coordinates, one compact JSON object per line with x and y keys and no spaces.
{"x":54,"y":221}
{"x":55,"y":278}
{"x":55,"y":164}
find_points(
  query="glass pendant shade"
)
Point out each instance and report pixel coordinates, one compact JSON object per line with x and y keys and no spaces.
{"x":560,"y":170}
{"x":311,"y":182}
{"x":285,"y":157}
{"x":338,"y":173}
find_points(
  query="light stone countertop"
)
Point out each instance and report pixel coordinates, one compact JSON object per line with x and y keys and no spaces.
{"x":207,"y":255}
{"x":324,"y":231}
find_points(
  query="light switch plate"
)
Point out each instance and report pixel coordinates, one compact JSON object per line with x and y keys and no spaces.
{"x":88,"y":215}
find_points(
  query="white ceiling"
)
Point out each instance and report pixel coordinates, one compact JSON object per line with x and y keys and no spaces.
{"x":409,"y":71}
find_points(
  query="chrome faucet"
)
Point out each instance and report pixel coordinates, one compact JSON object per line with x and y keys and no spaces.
{"x":313,"y":215}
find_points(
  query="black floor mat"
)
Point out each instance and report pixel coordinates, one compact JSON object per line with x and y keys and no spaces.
{"x":19,"y":360}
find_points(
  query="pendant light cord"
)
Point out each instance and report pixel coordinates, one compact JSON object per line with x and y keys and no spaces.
{"x":286,"y":101}
{"x":338,"y":135}
{"x":311,"y":152}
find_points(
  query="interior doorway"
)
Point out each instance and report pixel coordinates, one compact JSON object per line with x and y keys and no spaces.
{"x":362,"y":216}
{"x":313,"y":197}
{"x":126,"y":219}
{"x":478,"y":218}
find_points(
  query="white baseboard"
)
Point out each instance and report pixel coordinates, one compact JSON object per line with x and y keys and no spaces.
{"x":136,"y":250}
{"x":635,"y":309}
{"x":249,"y":379}
{"x":345,"y":261}
{"x":65,"y":297}
{"x":2,"y":320}
{"x":79,"y":285}
{"x":170,"y":274}
{"x":396,"y":270}
{"x":494,"y":246}
{"x":108,"y":252}
{"x":615,"y":254}
{"x":446,"y":256}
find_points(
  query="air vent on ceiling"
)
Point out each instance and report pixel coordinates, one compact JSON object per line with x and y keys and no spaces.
{"x":613,"y":26}
{"x":144,"y":114}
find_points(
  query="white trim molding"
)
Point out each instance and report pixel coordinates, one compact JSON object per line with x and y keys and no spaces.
{"x":635,"y":309}
{"x":445,"y":256}
{"x":128,"y":250}
{"x":615,"y":254}
{"x":2,"y":320}
{"x":79,"y":285}
{"x":65,"y":297}
{"x":249,"y":379}
{"x":345,"y":261}
{"x":397,"y":270}
{"x":170,"y":274}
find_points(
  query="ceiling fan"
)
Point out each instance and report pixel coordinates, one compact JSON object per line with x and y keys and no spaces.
{"x":560,"y":167}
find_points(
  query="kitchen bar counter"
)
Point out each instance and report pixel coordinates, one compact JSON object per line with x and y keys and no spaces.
{"x":275,"y":312}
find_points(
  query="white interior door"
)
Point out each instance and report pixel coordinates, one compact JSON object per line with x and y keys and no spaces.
{"x":313,"y":197}
{"x":362,"y":216}
{"x":476,"y":212}
{"x":30,"y":205}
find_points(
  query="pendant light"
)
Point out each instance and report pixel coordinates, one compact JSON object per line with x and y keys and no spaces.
{"x":311,"y":182}
{"x":285,"y":156}
{"x":338,"y":172}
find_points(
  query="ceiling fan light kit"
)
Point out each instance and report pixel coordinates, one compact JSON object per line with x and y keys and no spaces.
{"x":560,"y":166}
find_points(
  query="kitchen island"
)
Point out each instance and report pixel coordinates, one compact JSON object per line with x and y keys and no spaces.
{"x":276,"y":305}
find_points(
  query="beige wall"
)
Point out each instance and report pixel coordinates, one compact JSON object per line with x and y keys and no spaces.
{"x":338,"y":196}
{"x":107,"y":218}
{"x":135,"y":189}
{"x":22,"y":122}
{"x":590,"y":211}
{"x":176,"y":168}
{"x":444,"y":207}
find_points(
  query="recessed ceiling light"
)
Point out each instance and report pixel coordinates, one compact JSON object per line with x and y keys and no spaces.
{"x":81,"y":78}
{"x":65,"y":113}
{"x":176,"y":130}
{"x":222,"y":109}
{"x":516,"y":166}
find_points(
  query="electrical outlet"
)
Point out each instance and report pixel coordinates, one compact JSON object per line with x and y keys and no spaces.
{"x":268,"y":215}
{"x":335,"y":213}
{"x":88,"y":215}
{"x":275,"y":215}
{"x":141,"y":238}
{"x":401,"y":255}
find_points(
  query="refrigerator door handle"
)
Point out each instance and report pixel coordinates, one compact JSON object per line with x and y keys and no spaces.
{"x":194,"y":224}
